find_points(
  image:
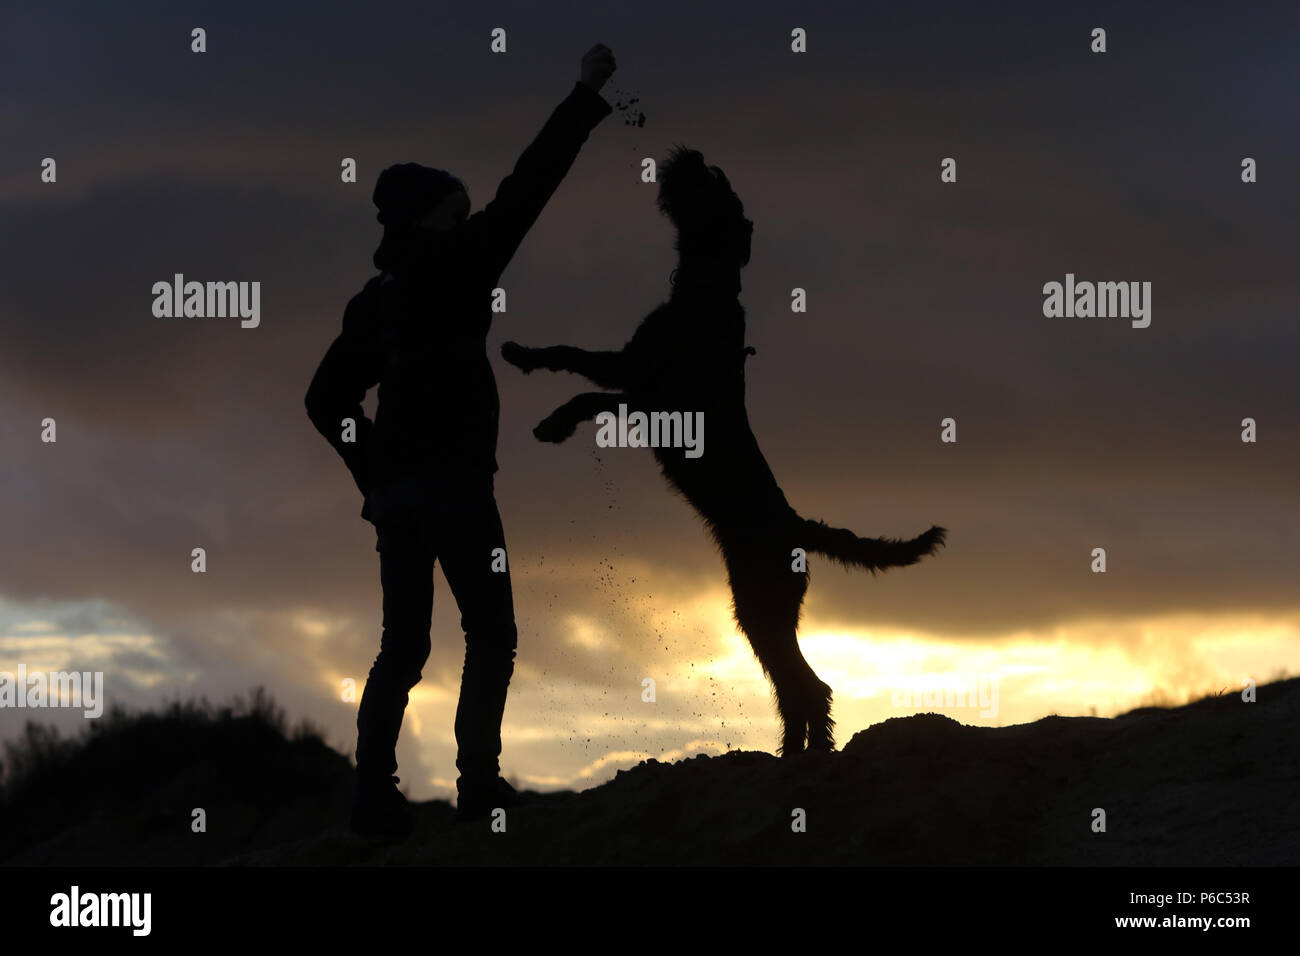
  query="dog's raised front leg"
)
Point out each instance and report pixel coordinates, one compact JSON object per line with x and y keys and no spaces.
{"x":564,"y":421}
{"x":605,"y":369}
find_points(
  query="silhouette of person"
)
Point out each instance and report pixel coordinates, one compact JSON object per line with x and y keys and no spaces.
{"x":426,"y":464}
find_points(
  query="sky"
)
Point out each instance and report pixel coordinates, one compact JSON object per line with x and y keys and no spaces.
{"x":924,"y":302}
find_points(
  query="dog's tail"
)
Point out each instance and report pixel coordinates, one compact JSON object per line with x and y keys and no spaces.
{"x":873,"y":554}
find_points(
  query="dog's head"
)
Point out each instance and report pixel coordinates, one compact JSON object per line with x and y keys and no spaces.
{"x":702,"y":205}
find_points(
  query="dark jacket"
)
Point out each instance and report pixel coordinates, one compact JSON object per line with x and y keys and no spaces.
{"x":420,"y":330}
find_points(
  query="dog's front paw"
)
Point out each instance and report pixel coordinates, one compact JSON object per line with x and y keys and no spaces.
{"x":554,"y":429}
{"x":520,"y":357}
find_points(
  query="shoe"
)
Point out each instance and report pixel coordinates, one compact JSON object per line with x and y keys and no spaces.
{"x":380,"y":810}
{"x":475,"y":800}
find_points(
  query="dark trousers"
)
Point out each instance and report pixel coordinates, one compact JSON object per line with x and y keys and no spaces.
{"x":419,"y":520}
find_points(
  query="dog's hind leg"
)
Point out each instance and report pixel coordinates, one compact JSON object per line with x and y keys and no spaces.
{"x":809,"y":697}
{"x":802,"y":699}
{"x":783,"y":671}
{"x":767,"y":596}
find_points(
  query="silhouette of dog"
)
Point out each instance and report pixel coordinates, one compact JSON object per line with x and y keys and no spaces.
{"x":689,"y":355}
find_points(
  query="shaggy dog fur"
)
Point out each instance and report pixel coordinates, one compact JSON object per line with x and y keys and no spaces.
{"x":689,"y":355}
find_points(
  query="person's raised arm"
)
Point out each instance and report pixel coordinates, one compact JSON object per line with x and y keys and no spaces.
{"x":503,"y":222}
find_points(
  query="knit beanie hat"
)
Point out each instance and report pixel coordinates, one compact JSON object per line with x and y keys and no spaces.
{"x":404,"y":193}
{"x":407,"y":191}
